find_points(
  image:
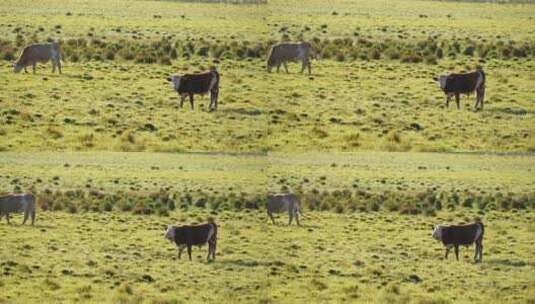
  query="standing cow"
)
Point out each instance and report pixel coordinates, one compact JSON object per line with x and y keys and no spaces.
{"x":466,"y":235}
{"x":191,"y":84}
{"x":278,"y":203}
{"x":188,"y":236}
{"x":457,"y":84}
{"x":35,"y":53}
{"x":18,"y":203}
{"x":283,"y":52}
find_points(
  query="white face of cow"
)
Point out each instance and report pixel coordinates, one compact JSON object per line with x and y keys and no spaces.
{"x":442,"y":81}
{"x":437,"y":233}
{"x":17,"y":68}
{"x":175,"y":82}
{"x":170,"y":233}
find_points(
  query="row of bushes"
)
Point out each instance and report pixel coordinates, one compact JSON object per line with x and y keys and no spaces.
{"x":162,"y":202}
{"x":341,"y":49}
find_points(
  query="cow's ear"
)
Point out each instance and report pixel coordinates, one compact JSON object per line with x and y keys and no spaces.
{"x":435,"y":78}
{"x":168,"y":78}
{"x":432,"y":227}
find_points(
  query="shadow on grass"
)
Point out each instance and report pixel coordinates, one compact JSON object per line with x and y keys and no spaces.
{"x":508,"y":262}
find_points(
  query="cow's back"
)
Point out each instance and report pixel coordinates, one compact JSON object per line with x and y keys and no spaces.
{"x":17,"y":203}
{"x":39,"y":52}
{"x":281,"y":202}
{"x":461,"y":235}
{"x":196,"y":83}
{"x":285,"y":52}
{"x":194,"y":235}
{"x":462,"y":83}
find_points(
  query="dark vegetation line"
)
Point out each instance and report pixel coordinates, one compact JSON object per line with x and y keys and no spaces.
{"x":165,"y":50}
{"x":426,"y":202}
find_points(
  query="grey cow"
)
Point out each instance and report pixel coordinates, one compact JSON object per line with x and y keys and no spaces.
{"x":34,"y":53}
{"x":278,"y":203}
{"x":284,"y":52}
{"x":18,"y":203}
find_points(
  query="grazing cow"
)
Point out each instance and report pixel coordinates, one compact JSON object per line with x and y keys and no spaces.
{"x":457,"y":84}
{"x":466,"y":235}
{"x":277,"y":203}
{"x":283,"y":52}
{"x":188,"y":236}
{"x":32,"y":54}
{"x":18,"y":203}
{"x":191,"y":84}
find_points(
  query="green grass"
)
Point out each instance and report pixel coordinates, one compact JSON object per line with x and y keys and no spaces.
{"x":332,"y":258}
{"x":364,"y":106}
{"x":366,"y":140}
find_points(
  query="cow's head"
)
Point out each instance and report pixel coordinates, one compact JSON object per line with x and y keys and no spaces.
{"x":17,"y":67}
{"x":175,"y":81}
{"x":437,"y":232}
{"x":170,"y":233}
{"x":441,"y":80}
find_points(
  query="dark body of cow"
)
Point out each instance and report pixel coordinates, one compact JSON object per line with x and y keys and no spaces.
{"x":197,"y":84}
{"x":32,"y":54}
{"x":188,"y":236}
{"x":464,"y":235}
{"x":15,"y":203}
{"x":278,"y":203}
{"x":457,"y":84}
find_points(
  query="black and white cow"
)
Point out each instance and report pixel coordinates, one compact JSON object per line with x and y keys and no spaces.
{"x":200,"y":84}
{"x":465,"y":235}
{"x":188,"y":236}
{"x":457,"y":84}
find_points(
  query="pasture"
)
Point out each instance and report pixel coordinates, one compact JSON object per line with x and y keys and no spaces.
{"x":365,"y":142}
{"x":122,"y":258}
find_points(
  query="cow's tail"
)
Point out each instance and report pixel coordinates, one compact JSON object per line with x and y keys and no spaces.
{"x":271,"y":58}
{"x":482,"y":73}
{"x":482,"y":228}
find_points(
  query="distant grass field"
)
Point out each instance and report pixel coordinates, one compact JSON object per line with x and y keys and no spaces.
{"x":362,"y":106}
{"x":351,"y":103}
{"x":386,"y":258}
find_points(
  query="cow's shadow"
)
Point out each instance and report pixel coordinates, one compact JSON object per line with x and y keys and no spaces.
{"x":508,"y":262}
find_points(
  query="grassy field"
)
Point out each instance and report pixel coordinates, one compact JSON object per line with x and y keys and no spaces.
{"x":331,"y":259}
{"x":365,"y":142}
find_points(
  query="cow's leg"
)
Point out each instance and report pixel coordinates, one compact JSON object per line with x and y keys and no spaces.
{"x":209,"y":251}
{"x":278,"y":67}
{"x":456,"y":252}
{"x":25,"y":70}
{"x":458,"y":100}
{"x":7,"y":218}
{"x":309,"y":65}
{"x":271,"y":216}
{"x":297,"y":218}
{"x":213,"y":99}
{"x":481,"y":97}
{"x":53,"y":66}
{"x":26,"y":214}
{"x":33,"y":216}
{"x":189,"y":252}
{"x":59,"y":65}
{"x":214,"y":248}
{"x":291,"y":217}
{"x":180,"y":249}
{"x":448,"y":97}
{"x":182,"y":97}
{"x":447,"y":252}
{"x":34,"y":64}
{"x":286,"y":67}
{"x":191,"y":100}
